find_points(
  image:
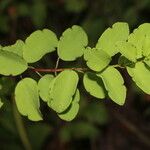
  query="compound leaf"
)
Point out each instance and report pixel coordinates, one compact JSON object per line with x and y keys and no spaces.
{"x":114,"y":84}
{"x":27,"y":99}
{"x":141,"y":76}
{"x":107,"y":41}
{"x":38,"y":44}
{"x":94,"y":85}
{"x":16,"y":48}
{"x":62,"y":90}
{"x":44,"y":86}
{"x":72,"y":43}
{"x":73,"y":109}
{"x":96,"y":59}
{"x":11,"y":64}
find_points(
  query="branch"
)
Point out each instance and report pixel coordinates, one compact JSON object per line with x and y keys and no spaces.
{"x":58,"y":70}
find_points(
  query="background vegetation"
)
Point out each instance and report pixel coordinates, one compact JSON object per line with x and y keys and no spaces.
{"x":100,"y":124}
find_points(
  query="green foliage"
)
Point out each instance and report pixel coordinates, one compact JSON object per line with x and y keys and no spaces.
{"x":72,"y":43}
{"x":107,"y":41}
{"x":96,"y":59}
{"x":11,"y":64}
{"x":73,"y":109}
{"x":137,"y":38}
{"x":15,"y":48}
{"x":100,"y":77}
{"x":38,"y":44}
{"x":27,"y":99}
{"x":127,"y":50}
{"x":94,"y":85}
{"x":64,"y":87}
{"x":141,"y":76}
{"x":114,"y":84}
{"x":44,"y":86}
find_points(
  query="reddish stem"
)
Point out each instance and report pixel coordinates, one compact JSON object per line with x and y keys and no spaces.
{"x":57,"y":70}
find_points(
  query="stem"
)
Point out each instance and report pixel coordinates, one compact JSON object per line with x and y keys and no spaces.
{"x":35,"y":71}
{"x":57,"y":70}
{"x":57,"y":63}
{"x":21,"y":128}
{"x":118,"y":66}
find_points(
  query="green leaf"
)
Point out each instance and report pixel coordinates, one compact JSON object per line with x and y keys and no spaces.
{"x":96,"y":59}
{"x":11,"y":64}
{"x":73,"y":109}
{"x":72,"y":43}
{"x":114,"y":84}
{"x":16,"y":48}
{"x":107,"y":41}
{"x":44,"y":86}
{"x":38,"y":44}
{"x":127,"y":50}
{"x":137,"y":38}
{"x":146,"y":46}
{"x":27,"y":99}
{"x":94,"y":85}
{"x":141,"y":76}
{"x":62,"y":90}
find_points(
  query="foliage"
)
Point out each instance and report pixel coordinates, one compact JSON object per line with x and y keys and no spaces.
{"x":101,"y":78}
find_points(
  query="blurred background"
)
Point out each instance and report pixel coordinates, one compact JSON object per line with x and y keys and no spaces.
{"x":100,"y":124}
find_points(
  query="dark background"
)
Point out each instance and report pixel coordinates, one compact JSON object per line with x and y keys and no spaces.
{"x":100,"y":124}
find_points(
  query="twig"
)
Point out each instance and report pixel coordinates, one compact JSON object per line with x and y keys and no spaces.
{"x":57,"y":70}
{"x":36,"y":71}
{"x":57,"y":63}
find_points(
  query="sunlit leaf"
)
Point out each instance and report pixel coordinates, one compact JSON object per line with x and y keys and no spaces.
{"x":137,"y":38}
{"x":141,"y":76}
{"x":127,"y":50}
{"x":73,"y":109}
{"x":27,"y":99}
{"x":114,"y":84}
{"x":38,"y":44}
{"x":62,"y":90}
{"x":94,"y":85}
{"x":96,"y":59}
{"x":146,"y":46}
{"x":11,"y":64}
{"x":16,"y":48}
{"x":107,"y":41}
{"x":44,"y":86}
{"x":72,"y":43}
